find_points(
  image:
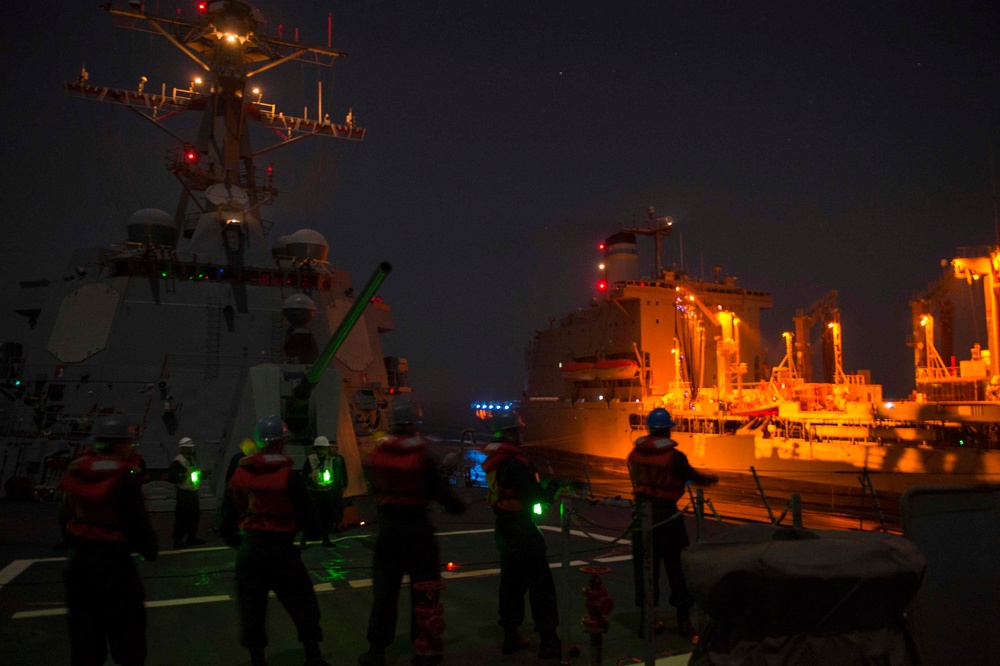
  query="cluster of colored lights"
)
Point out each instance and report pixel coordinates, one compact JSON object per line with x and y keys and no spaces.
{"x":602,"y":284}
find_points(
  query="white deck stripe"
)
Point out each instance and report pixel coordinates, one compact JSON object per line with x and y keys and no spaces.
{"x":585,"y":535}
{"x":13,"y":570}
{"x":490,"y":531}
{"x":188,"y":601}
{"x":616,"y":558}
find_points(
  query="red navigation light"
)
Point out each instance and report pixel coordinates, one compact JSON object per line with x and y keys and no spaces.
{"x":602,"y":285}
{"x":202,"y":7}
{"x":191,"y":156}
{"x":600,"y":246}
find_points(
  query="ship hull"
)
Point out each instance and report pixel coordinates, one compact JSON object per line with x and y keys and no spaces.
{"x":608,"y":431}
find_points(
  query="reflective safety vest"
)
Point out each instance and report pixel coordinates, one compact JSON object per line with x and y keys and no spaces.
{"x":397,"y":471}
{"x":192,"y":475}
{"x":499,"y":496}
{"x":88,"y":486}
{"x":260,"y":487}
{"x":323,"y":474}
{"x":651,"y":464}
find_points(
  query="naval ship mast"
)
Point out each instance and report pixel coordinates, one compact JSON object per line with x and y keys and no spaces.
{"x":219,"y":206}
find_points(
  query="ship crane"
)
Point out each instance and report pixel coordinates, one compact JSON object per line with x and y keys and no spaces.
{"x":729,"y":368}
{"x":824,"y":309}
{"x":225,"y":42}
{"x":923,"y":306}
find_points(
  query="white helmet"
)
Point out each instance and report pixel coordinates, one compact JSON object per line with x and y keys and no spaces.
{"x":321,"y":441}
{"x":186,"y":443}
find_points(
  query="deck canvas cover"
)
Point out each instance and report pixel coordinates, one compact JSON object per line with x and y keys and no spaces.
{"x":781,"y":595}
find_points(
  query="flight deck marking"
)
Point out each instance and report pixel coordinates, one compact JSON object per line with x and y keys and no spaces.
{"x":585,"y":535}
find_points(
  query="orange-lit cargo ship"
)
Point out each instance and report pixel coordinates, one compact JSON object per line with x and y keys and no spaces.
{"x":694,"y":347}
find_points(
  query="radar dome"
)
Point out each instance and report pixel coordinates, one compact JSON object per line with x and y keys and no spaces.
{"x":298,"y":309}
{"x":280,"y":247}
{"x":307,"y":244}
{"x":152,"y":226}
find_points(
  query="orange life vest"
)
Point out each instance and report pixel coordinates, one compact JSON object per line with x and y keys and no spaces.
{"x":260,"y":488}
{"x":651,"y":466}
{"x":88,"y":485}
{"x":397,"y":470}
{"x":502,"y":497}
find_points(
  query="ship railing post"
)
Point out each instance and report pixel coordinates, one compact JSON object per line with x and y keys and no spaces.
{"x":760,"y":489}
{"x":566,"y":600}
{"x":867,"y":487}
{"x":648,"y":624}
{"x":796,"y":503}
{"x":699,"y":513}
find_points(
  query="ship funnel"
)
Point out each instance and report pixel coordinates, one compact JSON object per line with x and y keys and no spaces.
{"x":621,"y":258}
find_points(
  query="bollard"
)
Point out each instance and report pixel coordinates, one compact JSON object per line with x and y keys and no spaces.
{"x":599,"y":605}
{"x":430,"y":619}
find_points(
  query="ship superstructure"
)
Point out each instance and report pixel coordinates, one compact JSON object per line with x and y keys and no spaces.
{"x":694,"y":347}
{"x":172,"y":324}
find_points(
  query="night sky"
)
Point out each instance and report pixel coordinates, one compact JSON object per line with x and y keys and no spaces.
{"x":802,"y":146}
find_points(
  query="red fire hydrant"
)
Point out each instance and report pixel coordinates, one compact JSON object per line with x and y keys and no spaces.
{"x":430,"y":619}
{"x":599,"y":606}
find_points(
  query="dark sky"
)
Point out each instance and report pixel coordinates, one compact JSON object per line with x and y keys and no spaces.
{"x":802,"y":146}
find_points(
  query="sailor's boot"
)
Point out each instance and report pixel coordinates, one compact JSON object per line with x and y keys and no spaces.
{"x":551,"y":646}
{"x":313,"y":656}
{"x":372,"y":658}
{"x":684,"y":626}
{"x":513,"y":641}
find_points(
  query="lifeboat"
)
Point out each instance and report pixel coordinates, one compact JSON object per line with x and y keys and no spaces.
{"x":578,"y":372}
{"x":616,"y":369}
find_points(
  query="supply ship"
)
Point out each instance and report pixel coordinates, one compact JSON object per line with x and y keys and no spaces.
{"x":195,"y":323}
{"x":693,"y":346}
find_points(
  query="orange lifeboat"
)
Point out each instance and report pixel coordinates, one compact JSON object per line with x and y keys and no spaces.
{"x":616,"y":369}
{"x":578,"y":372}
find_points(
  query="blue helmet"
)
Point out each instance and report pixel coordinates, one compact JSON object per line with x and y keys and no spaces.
{"x":659,"y":419}
{"x":269,"y":429}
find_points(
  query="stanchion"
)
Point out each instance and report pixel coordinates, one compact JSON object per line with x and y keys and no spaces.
{"x":566,"y":602}
{"x":648,"y":621}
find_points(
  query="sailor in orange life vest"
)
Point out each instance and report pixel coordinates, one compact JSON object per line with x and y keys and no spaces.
{"x":514,"y":489}
{"x":107,"y":520}
{"x":404,"y":480}
{"x":267,"y":502}
{"x":660,"y":474}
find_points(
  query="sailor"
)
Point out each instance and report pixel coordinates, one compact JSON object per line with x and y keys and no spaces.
{"x":660,"y":474}
{"x":267,"y":502}
{"x":514,"y":489}
{"x":404,"y":480}
{"x":185,"y":474}
{"x":107,"y":521}
{"x":326,"y":477}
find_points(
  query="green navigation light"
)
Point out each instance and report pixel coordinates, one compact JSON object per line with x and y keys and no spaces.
{"x":538,"y":509}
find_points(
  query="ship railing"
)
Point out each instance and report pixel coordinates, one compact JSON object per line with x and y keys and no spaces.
{"x":935,"y":374}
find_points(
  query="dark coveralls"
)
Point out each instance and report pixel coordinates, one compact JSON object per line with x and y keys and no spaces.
{"x":659,"y":474}
{"x":268,"y":502}
{"x":327,"y":496}
{"x":404,"y":480}
{"x":514,"y":489}
{"x":188,"y":509}
{"x":104,"y":594}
